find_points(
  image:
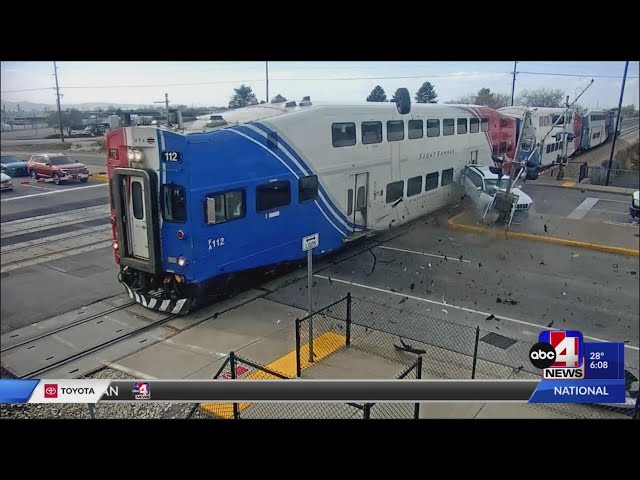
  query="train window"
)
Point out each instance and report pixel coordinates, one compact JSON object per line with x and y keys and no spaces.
{"x":361,"y":201}
{"x":136,"y":200}
{"x":226,"y":206}
{"x":395,"y":191}
{"x":448,"y":127}
{"x":548,"y":148}
{"x":541,"y":122}
{"x":557,"y":118}
{"x":504,"y":123}
{"x":416,"y":129}
{"x":174,"y":203}
{"x":343,"y":134}
{"x":414,"y":186}
{"x":546,"y":121}
{"x":447,"y":177}
{"x":432,"y":181}
{"x":371,"y":132}
{"x":395,"y":130}
{"x":433,"y":128}
{"x":502,"y":148}
{"x":474,"y":125}
{"x":484,"y":125}
{"x":495,"y":150}
{"x":273,"y":195}
{"x":462,"y":126}
{"x":307,"y":188}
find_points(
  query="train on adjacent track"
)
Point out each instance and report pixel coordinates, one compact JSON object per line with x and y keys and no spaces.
{"x":195,"y":210}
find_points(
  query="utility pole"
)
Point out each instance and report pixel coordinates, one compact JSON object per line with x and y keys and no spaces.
{"x":55,"y":74}
{"x":513,"y":83}
{"x":267,"y":78}
{"x":166,"y":103}
{"x":615,"y":132}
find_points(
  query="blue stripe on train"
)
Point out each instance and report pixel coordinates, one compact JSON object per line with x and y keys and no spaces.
{"x":281,"y":155}
{"x":282,"y":141}
{"x":253,"y":136}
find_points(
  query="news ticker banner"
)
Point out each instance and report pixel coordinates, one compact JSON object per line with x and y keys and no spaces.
{"x":572,"y":371}
{"x":298,"y":390}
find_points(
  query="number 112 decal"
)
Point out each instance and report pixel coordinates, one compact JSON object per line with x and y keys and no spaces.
{"x":172,"y":156}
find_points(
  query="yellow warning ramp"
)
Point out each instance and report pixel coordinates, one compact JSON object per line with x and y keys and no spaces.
{"x":323,"y":346}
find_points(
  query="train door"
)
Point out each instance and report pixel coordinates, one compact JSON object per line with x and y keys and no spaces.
{"x":136,"y":219}
{"x":357,"y":199}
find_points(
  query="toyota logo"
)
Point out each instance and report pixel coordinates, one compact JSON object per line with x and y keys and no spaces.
{"x":51,"y":390}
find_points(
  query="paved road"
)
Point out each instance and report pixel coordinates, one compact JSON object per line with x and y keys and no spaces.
{"x":56,"y":253}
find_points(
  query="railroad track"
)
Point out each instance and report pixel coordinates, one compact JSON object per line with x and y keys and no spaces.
{"x":97,"y":348}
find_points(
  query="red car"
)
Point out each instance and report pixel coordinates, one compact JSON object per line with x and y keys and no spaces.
{"x":58,"y":166}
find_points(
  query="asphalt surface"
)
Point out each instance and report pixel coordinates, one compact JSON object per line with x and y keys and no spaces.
{"x":560,"y":202}
{"x":538,"y":284}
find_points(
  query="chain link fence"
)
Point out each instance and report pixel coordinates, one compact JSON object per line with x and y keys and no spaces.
{"x":449,"y":350}
{"x":236,"y":367}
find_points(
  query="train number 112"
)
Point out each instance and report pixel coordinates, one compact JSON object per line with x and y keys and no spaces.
{"x":216,"y":242}
{"x":172,"y":156}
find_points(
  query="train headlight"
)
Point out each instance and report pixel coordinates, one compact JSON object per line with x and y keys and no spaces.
{"x":182,"y":261}
{"x":115,"y":245}
{"x":134,"y":155}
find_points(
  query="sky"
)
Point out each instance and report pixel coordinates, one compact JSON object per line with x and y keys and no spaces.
{"x":147,"y":82}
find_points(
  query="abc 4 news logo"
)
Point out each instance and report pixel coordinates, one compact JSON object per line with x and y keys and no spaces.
{"x":559,"y":355}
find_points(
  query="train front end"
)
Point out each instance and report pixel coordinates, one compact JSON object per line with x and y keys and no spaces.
{"x":135,"y":171}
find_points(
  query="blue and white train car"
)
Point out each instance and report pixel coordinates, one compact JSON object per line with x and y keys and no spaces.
{"x":192,"y":210}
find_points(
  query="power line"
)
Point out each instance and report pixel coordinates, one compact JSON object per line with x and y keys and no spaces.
{"x":426,"y":76}
{"x":256,"y":80}
{"x":574,"y":75}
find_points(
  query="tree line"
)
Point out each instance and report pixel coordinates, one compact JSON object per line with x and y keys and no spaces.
{"x":540,"y":97}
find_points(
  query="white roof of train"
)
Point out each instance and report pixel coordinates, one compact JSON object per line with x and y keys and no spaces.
{"x":268,"y":110}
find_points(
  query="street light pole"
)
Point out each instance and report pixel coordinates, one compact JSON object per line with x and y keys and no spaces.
{"x":267,"y":80}
{"x":615,"y":132}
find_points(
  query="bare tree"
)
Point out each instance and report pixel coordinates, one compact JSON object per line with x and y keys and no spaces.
{"x":541,"y":97}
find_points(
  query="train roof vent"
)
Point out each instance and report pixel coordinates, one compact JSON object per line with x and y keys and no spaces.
{"x":216,"y":121}
{"x":306,"y":101}
{"x":290,"y":104}
{"x":278,"y":99}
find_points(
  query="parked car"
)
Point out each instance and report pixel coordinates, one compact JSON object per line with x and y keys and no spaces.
{"x":14,"y":166}
{"x":58,"y":166}
{"x":6,"y":182}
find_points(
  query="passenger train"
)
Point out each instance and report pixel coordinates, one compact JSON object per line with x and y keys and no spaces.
{"x":193,"y":210}
{"x":558,"y":134}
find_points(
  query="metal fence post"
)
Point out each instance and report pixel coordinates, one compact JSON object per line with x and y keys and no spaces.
{"x":232,"y":364}
{"x":416,"y":412}
{"x":298,"y":366}
{"x":348,"y":319}
{"x":475,"y":353}
{"x":367,"y":411}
